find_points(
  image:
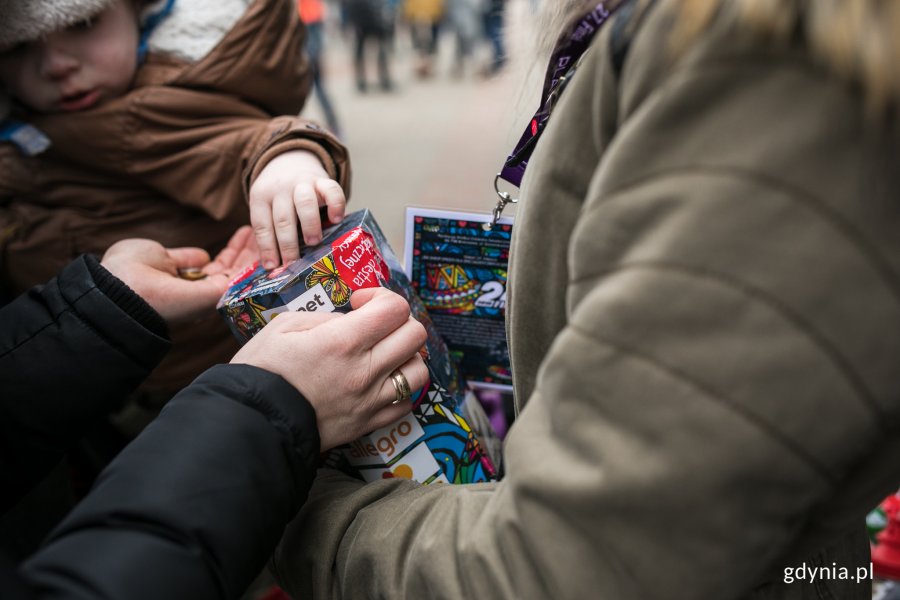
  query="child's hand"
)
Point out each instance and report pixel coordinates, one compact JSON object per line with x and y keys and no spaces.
{"x":289,"y":191}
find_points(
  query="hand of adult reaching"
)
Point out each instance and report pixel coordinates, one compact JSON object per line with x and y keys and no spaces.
{"x":344,"y":363}
{"x":154,"y":273}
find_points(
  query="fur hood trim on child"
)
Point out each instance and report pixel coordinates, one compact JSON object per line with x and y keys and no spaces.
{"x":194,"y":27}
{"x":26,"y":21}
{"x":190,"y":31}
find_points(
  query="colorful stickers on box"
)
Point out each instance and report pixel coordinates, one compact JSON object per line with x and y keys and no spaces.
{"x":443,"y":438}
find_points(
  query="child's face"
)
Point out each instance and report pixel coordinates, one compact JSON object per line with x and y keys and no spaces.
{"x":78,"y":67}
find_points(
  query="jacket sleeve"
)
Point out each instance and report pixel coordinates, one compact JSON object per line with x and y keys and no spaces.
{"x":193,"y":507}
{"x":725,"y":375}
{"x":210,"y":162}
{"x":70,"y":352}
{"x":197,"y":147}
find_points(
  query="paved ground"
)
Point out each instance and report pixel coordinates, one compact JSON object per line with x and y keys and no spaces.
{"x":435,"y":142}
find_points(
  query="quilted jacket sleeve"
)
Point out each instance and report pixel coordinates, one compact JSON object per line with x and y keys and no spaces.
{"x":70,"y":351}
{"x":722,"y":398}
{"x":196,"y":147}
{"x":193,"y":507}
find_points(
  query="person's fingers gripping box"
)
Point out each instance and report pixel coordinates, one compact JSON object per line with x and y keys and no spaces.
{"x":447,"y":437}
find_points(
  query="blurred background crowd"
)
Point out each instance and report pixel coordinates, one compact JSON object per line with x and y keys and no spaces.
{"x":427,"y":123}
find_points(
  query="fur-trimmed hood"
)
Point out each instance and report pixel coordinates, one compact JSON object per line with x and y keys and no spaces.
{"x":194,"y":27}
{"x":189,"y":31}
{"x":26,"y":21}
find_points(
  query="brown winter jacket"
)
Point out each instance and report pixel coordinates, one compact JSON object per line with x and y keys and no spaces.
{"x":704,"y":326}
{"x":171,"y":161}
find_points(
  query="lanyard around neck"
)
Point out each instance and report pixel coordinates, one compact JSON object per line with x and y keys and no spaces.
{"x":563,"y":62}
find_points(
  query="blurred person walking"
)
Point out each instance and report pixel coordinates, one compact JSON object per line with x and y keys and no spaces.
{"x":465,"y":17}
{"x":312,"y":14}
{"x":371,"y":20}
{"x":494,"y":12}
{"x":424,"y":18}
{"x":394,"y":7}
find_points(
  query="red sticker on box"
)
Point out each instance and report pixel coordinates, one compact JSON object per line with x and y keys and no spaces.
{"x":246,"y":273}
{"x":358,"y":260}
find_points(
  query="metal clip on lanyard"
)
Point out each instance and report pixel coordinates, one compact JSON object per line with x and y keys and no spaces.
{"x":564,"y":61}
{"x":505,"y":198}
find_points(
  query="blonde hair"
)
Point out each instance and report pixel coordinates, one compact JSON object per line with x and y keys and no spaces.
{"x":857,"y":39}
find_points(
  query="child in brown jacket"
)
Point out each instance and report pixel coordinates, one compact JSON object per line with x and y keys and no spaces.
{"x":159,"y":121}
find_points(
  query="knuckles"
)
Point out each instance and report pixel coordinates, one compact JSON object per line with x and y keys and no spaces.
{"x":260,"y":193}
{"x":326,"y":184}
{"x":261,"y":231}
{"x":284,"y":222}
{"x":303,"y":192}
{"x":420,"y":331}
{"x":394,"y":306}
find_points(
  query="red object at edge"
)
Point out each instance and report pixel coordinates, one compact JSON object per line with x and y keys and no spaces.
{"x":274,"y":593}
{"x":886,"y":552}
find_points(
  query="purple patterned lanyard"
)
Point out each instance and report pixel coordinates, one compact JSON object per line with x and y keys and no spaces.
{"x":563,"y":63}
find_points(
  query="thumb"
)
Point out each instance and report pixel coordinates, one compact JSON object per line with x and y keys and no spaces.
{"x":186,"y":258}
{"x":189,"y":299}
{"x":363,"y":296}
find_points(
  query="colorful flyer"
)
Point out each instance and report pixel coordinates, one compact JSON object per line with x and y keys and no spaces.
{"x":458,"y":268}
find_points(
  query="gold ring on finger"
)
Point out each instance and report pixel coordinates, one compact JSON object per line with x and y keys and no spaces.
{"x":401,"y":387}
